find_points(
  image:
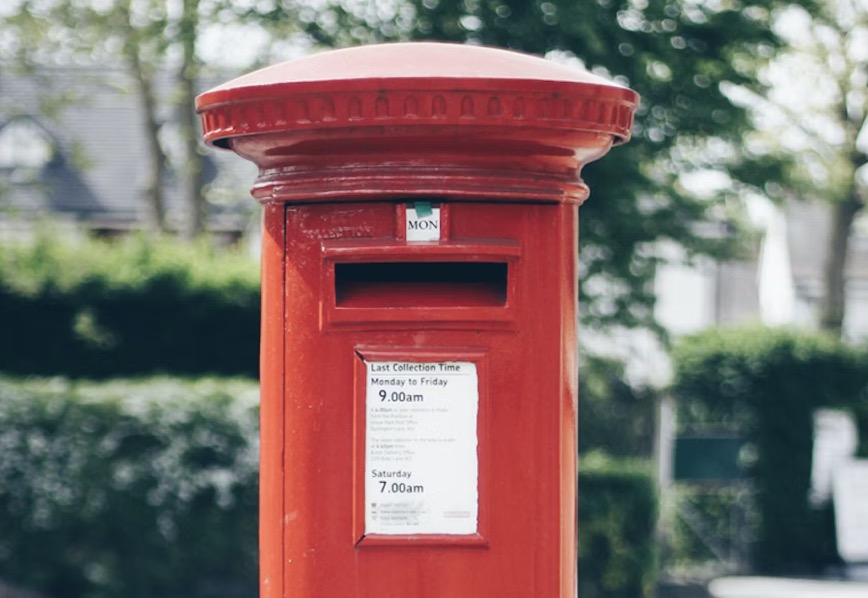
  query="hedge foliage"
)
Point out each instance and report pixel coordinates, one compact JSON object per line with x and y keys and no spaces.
{"x":148,"y":488}
{"x":768,"y":383}
{"x":139,"y":307}
{"x":614,"y":417}
{"x":141,"y":488}
{"x":617,"y":525}
{"x":97,"y":309}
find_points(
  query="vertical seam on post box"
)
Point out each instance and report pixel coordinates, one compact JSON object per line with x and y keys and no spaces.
{"x":400,"y":221}
{"x":283,"y":257}
{"x":569,"y":378}
{"x":272,"y":390}
{"x":445,"y":222}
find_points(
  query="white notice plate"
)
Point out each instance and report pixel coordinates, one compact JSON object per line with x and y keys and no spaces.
{"x":421,"y":463}
{"x":423,"y":224}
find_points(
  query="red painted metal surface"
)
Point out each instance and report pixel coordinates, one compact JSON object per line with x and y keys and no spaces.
{"x":345,"y":141}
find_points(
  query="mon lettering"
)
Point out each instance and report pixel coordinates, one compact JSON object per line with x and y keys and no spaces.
{"x":423,"y":225}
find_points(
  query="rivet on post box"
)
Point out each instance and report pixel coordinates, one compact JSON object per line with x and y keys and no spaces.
{"x":418,"y":364}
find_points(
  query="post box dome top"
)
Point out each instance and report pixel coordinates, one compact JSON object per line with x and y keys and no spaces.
{"x":418,"y":119}
{"x":414,"y":60}
{"x":364,"y":83}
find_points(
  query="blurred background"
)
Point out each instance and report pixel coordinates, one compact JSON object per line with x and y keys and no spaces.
{"x":723,"y":287}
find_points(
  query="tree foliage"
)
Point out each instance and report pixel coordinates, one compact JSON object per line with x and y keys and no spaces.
{"x":679,"y":180}
{"x":147,"y":39}
{"x":816,"y":113}
{"x":679,"y":55}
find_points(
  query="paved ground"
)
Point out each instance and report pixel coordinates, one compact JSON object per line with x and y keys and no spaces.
{"x":769,"y":587}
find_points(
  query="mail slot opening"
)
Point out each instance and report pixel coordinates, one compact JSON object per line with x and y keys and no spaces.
{"x":421,"y":284}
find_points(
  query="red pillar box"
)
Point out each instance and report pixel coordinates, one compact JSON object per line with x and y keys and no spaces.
{"x":419,"y":314}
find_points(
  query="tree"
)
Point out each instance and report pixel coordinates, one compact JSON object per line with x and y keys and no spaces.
{"x":139,"y":36}
{"x":678,"y":54}
{"x":816,"y":112}
{"x":188,"y":77}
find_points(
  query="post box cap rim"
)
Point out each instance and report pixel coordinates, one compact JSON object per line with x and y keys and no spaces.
{"x":418,"y":85}
{"x":411,"y":61}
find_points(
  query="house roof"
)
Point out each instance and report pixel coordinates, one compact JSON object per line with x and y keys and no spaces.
{"x":97,"y":172}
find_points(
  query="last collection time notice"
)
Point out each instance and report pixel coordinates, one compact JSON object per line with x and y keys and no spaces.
{"x":421,"y":463}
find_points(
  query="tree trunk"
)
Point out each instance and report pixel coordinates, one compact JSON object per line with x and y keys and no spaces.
{"x":193,"y":172}
{"x":157,"y":159}
{"x":835,"y":284}
{"x":844,"y":214}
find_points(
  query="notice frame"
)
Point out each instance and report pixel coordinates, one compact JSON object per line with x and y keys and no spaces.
{"x":361,"y":505}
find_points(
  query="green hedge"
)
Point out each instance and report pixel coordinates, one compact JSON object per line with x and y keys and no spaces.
{"x":129,"y":489}
{"x":617,"y":525}
{"x":148,"y":488}
{"x":614,"y":417}
{"x":143,"y":306}
{"x":767,"y":383}
{"x":96,"y":309}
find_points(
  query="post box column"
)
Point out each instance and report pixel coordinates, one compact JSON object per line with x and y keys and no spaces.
{"x":419,"y":314}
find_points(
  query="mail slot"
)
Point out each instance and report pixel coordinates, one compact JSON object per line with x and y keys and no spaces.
{"x":420,"y":284}
{"x":419,"y":268}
